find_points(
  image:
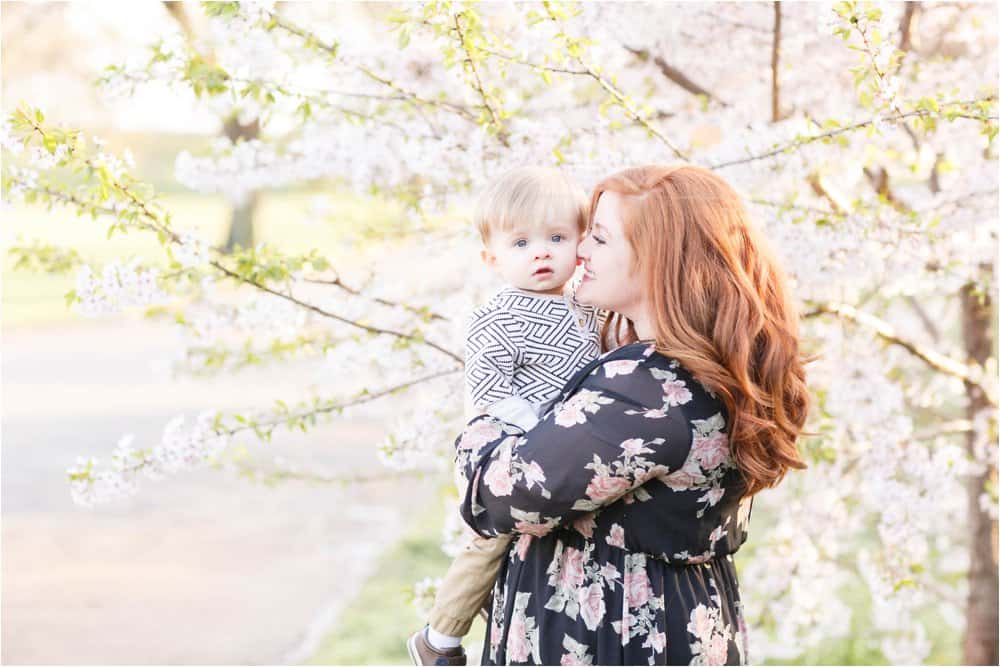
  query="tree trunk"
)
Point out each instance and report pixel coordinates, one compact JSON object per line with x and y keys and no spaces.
{"x":775,"y":62}
{"x":981,"y":640}
{"x":241,"y":223}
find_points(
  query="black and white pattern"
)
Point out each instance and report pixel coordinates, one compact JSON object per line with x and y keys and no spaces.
{"x":528,"y":345}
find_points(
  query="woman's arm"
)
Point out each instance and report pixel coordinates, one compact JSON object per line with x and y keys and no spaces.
{"x":621,"y":427}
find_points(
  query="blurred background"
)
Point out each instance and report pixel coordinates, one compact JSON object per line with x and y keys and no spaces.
{"x":207,"y":568}
{"x":308,"y":549}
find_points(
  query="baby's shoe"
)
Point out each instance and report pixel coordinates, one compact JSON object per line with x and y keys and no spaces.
{"x":422,"y":653}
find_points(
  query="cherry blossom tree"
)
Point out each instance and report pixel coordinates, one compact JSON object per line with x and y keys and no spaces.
{"x":862,"y":137}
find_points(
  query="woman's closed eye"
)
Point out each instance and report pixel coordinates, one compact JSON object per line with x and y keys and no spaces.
{"x":597,"y":239}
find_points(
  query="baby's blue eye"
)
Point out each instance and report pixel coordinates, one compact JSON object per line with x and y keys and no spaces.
{"x":521,"y":243}
{"x":556,"y":238}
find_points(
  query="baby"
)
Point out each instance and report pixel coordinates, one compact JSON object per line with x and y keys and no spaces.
{"x":521,"y":348}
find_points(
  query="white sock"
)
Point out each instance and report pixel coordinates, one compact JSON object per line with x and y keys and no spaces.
{"x":441,"y":641}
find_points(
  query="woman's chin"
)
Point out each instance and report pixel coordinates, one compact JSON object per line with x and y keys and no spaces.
{"x":584,"y":294}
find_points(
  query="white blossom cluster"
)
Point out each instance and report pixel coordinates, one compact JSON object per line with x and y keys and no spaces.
{"x":913,"y":495}
{"x":191,"y":250}
{"x":423,"y":436}
{"x":424,"y":592}
{"x":119,"y":286}
{"x":22,"y":181}
{"x":880,"y":513}
{"x":180,"y":448}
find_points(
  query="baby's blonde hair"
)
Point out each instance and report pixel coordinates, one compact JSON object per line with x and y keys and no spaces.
{"x":532,"y":194}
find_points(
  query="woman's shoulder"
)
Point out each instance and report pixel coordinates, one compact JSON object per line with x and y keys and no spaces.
{"x":640,"y":368}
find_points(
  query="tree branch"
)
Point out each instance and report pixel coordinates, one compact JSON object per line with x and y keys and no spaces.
{"x":478,"y":84}
{"x":798,"y":143}
{"x":674,"y":74}
{"x":408,"y":95}
{"x":337,"y":282}
{"x":630,"y":111}
{"x":884,"y":330}
{"x":775,"y":60}
{"x":155,"y":224}
{"x":326,"y":313}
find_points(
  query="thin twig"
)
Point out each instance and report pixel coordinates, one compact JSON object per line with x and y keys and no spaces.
{"x":884,"y":330}
{"x":478,"y":84}
{"x":850,"y":128}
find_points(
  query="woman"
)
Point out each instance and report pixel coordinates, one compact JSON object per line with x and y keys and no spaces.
{"x":633,"y":492}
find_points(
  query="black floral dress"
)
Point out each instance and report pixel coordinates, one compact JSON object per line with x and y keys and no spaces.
{"x":628,"y":508}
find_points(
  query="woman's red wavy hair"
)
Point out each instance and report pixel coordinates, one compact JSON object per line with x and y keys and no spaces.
{"x":720,"y":306}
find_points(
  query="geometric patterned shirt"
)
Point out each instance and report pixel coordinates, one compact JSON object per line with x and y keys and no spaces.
{"x":528,"y":345}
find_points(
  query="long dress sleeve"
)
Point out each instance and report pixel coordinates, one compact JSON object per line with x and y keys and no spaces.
{"x":621,"y":426}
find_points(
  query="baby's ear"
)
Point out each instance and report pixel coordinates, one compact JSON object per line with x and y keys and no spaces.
{"x":488,"y":259}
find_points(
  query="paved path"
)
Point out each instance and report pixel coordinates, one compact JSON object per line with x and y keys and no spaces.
{"x":198,"y":568}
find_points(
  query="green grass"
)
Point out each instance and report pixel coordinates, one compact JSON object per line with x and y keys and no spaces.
{"x":373,"y":629}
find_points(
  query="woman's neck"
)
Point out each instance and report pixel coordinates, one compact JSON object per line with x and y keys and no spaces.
{"x":643,"y":324}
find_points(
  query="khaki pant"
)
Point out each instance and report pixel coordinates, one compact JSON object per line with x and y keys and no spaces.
{"x":467,"y":584}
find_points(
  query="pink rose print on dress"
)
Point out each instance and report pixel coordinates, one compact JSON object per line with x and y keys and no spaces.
{"x":571,"y":573}
{"x":628,"y":620}
{"x":585,"y":525}
{"x":477,"y":435}
{"x":521,"y":548}
{"x":713,"y":495}
{"x":701,"y":623}
{"x":620,"y":367}
{"x":572,"y":412}
{"x":605,"y":487}
{"x":496,"y":633}
{"x":675,"y":392}
{"x":711,"y":634}
{"x":534,"y":474}
{"x":686,"y":478}
{"x":498,"y":478}
{"x":710,"y":451}
{"x":518,"y":648}
{"x":657,"y":641}
{"x":610,"y":572}
{"x":535,"y":529}
{"x":616,"y":536}
{"x":717,"y":650}
{"x":591,"y":600}
{"x":569,"y":659}
{"x":638,"y":590}
{"x":653,"y":472}
{"x":576,"y":653}
{"x":634,"y":447}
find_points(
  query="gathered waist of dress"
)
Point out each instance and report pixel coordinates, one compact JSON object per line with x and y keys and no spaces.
{"x":683,"y":559}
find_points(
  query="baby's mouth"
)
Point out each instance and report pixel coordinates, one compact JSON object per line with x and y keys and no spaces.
{"x":542,"y":273}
